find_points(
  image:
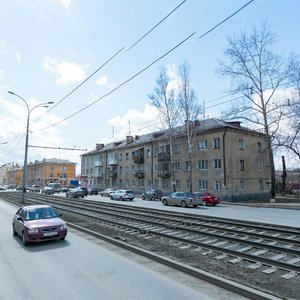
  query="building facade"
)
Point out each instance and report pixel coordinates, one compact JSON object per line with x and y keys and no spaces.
{"x":50,"y":170}
{"x":225,"y":159}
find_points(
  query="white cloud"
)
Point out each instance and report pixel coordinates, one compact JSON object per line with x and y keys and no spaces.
{"x":13,"y":127}
{"x":18,"y":56}
{"x":102,"y":81}
{"x":68,"y":72}
{"x":135,"y":122}
{"x":66,"y":3}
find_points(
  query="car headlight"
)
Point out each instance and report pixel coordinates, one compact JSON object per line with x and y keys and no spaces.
{"x":62,"y":227}
{"x":33,"y":230}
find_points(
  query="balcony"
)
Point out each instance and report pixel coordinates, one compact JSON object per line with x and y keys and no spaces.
{"x":139,"y":174}
{"x":112,"y":161}
{"x":98,"y":163}
{"x":112,"y":174}
{"x":164,"y":174}
{"x":163,"y":156}
{"x":138,"y":156}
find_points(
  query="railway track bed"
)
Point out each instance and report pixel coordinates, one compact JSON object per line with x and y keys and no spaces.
{"x":261,"y":256}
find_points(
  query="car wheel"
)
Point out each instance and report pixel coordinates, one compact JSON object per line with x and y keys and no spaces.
{"x":143,"y":198}
{"x":62,"y":238}
{"x":82,"y":196}
{"x":214,"y":204}
{"x":25,"y":243}
{"x":183,"y":204}
{"x":195,"y":205}
{"x":14,"y":231}
{"x":121,"y":199}
{"x":204,"y":203}
{"x":165,"y":202}
{"x":111,"y":198}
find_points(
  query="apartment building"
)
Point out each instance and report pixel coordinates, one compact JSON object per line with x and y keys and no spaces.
{"x":50,"y":170}
{"x":226,"y":159}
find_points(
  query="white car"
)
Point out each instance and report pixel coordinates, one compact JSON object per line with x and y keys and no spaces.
{"x":122,"y":195}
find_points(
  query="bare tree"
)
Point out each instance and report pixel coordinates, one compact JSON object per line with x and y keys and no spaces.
{"x":289,"y":138}
{"x":164,"y":99}
{"x":189,"y":112}
{"x":257,"y":73}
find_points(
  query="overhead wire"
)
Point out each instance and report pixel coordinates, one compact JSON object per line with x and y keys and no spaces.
{"x":145,"y":68}
{"x":156,"y":25}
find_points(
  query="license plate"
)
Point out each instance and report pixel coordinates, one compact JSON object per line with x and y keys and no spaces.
{"x":50,"y":233}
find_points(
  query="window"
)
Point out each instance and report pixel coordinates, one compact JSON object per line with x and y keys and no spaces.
{"x":177,"y":184}
{"x":202,"y":145}
{"x":126,"y":156}
{"x":155,"y":151}
{"x":127,"y":182}
{"x":241,"y":144}
{"x":258,"y":147}
{"x":188,"y":185}
{"x":133,"y":182}
{"x":260,"y":165}
{"x":121,"y":156}
{"x":188,"y":165}
{"x":51,"y":175}
{"x":203,"y":184}
{"x":242,"y":165}
{"x":242,"y":185}
{"x":148,"y":153}
{"x":149,"y":183}
{"x":177,"y":149}
{"x":218,"y":185}
{"x":217,"y":163}
{"x":126,"y":169}
{"x":166,"y":183}
{"x":177,"y":166}
{"x":216,"y":143}
{"x":141,"y":182}
{"x":121,"y":170}
{"x":202,"y":164}
{"x":155,"y":168}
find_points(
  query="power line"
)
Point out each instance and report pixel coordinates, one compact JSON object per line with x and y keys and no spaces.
{"x":156,"y":25}
{"x":207,"y":32}
{"x":144,"y":69}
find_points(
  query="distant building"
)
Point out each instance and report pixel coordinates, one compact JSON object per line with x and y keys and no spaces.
{"x":50,"y":170}
{"x":8,"y":173}
{"x":228,"y":160}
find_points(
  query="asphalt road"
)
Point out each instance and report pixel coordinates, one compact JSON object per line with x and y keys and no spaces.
{"x":269,"y":215}
{"x":84,"y":268}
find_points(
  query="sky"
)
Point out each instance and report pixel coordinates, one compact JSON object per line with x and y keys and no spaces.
{"x":83,"y":56}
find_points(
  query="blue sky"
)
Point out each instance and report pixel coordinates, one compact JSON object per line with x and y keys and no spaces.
{"x":48,"y":47}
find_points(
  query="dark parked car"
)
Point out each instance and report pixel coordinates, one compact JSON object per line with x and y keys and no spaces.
{"x":64,"y":189}
{"x":85,"y":190}
{"x":36,"y":223}
{"x":207,"y":198}
{"x":75,"y":193}
{"x":152,"y":195}
{"x":93,"y":191}
{"x":47,"y":190}
{"x":183,"y":199}
{"x":122,"y":195}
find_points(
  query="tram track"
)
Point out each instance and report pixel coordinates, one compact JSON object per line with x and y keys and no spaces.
{"x":263,"y":249}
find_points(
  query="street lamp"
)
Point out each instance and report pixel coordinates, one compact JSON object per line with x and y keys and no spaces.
{"x":24,"y":180}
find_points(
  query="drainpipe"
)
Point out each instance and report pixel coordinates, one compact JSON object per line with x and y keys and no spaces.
{"x":224,"y":159}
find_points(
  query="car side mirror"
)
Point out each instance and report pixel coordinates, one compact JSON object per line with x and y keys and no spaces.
{"x":20,"y":219}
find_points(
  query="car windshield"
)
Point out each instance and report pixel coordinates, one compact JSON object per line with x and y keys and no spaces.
{"x":40,"y":213}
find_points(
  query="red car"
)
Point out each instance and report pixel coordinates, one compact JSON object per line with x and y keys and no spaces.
{"x":36,"y":223}
{"x":208,"y":198}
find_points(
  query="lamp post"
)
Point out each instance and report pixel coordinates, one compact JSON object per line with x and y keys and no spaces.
{"x":24,"y":180}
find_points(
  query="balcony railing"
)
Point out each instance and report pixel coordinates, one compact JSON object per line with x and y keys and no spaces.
{"x":139,"y":174}
{"x":164,"y":174}
{"x":112,"y":174}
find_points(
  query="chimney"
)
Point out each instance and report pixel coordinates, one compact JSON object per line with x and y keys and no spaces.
{"x":136,"y":137}
{"x":129,"y":139}
{"x":99,"y":146}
